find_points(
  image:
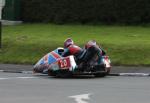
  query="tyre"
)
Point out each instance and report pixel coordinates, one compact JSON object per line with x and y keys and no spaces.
{"x":63,"y":74}
{"x":100,"y":74}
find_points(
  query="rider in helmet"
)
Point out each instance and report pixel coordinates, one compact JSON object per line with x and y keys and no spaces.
{"x":82,"y":56}
{"x":71,"y":49}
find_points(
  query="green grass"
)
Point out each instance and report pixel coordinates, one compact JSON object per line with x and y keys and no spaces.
{"x":26,"y":43}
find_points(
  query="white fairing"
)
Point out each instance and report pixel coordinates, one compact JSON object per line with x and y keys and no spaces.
{"x":73,"y":63}
{"x":64,"y":63}
{"x":106,"y":61}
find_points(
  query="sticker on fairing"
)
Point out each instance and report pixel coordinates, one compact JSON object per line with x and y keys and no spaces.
{"x":64,"y":63}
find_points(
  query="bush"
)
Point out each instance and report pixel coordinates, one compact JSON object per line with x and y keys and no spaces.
{"x":85,"y":11}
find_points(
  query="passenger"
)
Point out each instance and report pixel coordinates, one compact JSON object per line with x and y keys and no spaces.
{"x":92,"y":49}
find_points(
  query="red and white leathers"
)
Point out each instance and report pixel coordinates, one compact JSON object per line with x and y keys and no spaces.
{"x":72,"y":50}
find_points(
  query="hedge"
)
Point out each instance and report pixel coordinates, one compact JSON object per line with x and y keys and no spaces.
{"x":85,"y":11}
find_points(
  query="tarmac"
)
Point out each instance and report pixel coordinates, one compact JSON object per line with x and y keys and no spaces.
{"x":115,"y":69}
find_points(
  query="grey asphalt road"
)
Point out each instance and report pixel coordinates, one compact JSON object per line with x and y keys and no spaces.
{"x":115,"y":69}
{"x":29,"y":88}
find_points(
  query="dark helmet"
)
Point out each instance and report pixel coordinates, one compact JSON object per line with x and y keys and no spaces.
{"x":68,"y":42}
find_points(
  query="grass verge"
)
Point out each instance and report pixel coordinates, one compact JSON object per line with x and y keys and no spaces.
{"x":26,"y":43}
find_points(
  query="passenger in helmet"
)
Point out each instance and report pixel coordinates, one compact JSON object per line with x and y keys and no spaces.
{"x":92,"y":49}
{"x":92,"y":43}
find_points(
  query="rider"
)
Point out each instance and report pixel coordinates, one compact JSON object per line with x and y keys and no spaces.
{"x":82,"y":56}
{"x":71,"y":49}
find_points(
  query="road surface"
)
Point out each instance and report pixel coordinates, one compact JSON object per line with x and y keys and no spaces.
{"x":31,"y":88}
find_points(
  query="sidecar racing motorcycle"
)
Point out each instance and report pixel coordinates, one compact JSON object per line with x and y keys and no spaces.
{"x":54,"y":64}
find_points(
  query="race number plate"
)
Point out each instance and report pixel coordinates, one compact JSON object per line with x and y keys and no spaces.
{"x":64,"y":63}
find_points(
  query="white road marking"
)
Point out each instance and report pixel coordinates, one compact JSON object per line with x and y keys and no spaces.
{"x":134,"y":74}
{"x":18,"y":78}
{"x":26,"y":77}
{"x":3,"y":78}
{"x":81,"y":98}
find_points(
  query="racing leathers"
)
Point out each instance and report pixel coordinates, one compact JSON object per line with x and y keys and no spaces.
{"x":93,"y":51}
{"x":83,"y":56}
{"x":74,"y":50}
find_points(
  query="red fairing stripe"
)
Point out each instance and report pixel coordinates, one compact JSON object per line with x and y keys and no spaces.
{"x":55,"y":55}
